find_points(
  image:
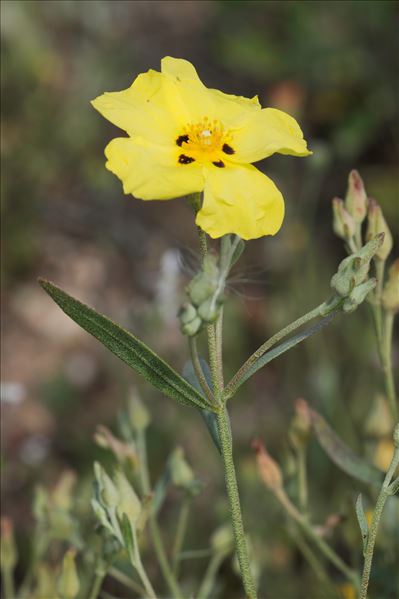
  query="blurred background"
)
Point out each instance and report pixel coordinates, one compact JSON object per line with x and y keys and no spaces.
{"x":333,"y":65}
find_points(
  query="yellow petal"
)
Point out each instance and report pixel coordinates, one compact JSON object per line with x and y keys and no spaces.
{"x":151,"y":172}
{"x":191,"y":101}
{"x":268,"y":131}
{"x":240,"y":200}
{"x":140,"y":109}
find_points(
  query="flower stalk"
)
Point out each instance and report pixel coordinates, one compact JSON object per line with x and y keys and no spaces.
{"x":388,"y":488}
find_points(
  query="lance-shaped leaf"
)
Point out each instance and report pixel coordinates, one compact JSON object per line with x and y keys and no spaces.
{"x":342,"y":455}
{"x":128,"y":348}
{"x":280,"y":349}
{"x":361,"y":518}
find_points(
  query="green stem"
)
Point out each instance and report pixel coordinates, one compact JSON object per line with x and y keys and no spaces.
{"x":235,"y":381}
{"x":196,"y":554}
{"x":96,"y":586}
{"x":154,"y":528}
{"x":307,"y":528}
{"x":198,"y":370}
{"x":302,"y":480}
{"x":125,"y":580}
{"x":180,"y":534}
{"x":382,"y":497}
{"x":234,"y":502}
{"x":310,"y":556}
{"x":139,"y":567}
{"x":210,"y":575}
{"x":386,"y":355}
{"x":8,"y":583}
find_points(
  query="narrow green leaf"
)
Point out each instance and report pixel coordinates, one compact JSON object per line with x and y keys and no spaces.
{"x":209,"y":418}
{"x":361,"y":518}
{"x":342,"y":455}
{"x":128,"y":537}
{"x":284,"y":346}
{"x":128,"y":348}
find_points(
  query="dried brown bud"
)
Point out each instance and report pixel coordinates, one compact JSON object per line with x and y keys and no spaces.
{"x":268,"y":468}
{"x":377,"y":224}
{"x":356,"y":197}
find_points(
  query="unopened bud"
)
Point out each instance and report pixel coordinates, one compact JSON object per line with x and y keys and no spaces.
{"x":343,"y":223}
{"x":108,"y":492}
{"x":122,"y":451}
{"x":353,"y":270}
{"x":61,"y":496}
{"x":209,"y":310}
{"x":68,"y":581}
{"x":300,"y":425}
{"x":358,"y":295}
{"x":190,"y":322}
{"x":138,"y":414}
{"x":268,"y":468}
{"x":129,"y":503}
{"x":390,"y":294}
{"x":8,"y":550}
{"x":181,"y":473}
{"x":222,"y":540}
{"x":356,"y":197}
{"x":377,"y":224}
{"x":205,"y":283}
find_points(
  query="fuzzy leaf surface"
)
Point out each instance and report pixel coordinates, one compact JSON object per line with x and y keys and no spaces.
{"x":127,"y":348}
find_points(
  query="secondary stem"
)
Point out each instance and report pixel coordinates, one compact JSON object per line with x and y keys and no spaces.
{"x":307,"y":528}
{"x":382,"y":497}
{"x":229,"y":391}
{"x":234,"y":502}
{"x":386,"y":357}
{"x":180,"y":533}
{"x":154,"y":528}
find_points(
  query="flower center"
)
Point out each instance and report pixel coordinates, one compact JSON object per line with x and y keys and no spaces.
{"x":205,"y":141}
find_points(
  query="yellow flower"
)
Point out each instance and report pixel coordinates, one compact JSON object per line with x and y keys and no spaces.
{"x":186,"y":138}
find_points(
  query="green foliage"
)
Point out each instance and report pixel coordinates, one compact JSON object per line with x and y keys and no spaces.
{"x":128,"y":348}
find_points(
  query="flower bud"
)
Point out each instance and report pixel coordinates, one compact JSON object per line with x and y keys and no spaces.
{"x":222,"y":540}
{"x":122,"y":451}
{"x":138,"y":414}
{"x":356,"y":197}
{"x":300,"y":426}
{"x":181,"y":473}
{"x":205,"y":283}
{"x":8,"y":550}
{"x":390,"y":294}
{"x":107,"y":491}
{"x":209,"y":310}
{"x":129,"y":503}
{"x":358,"y":295}
{"x":343,"y":223}
{"x":68,"y":581}
{"x":268,"y":468}
{"x":353,"y":270}
{"x":377,"y":224}
{"x":61,"y":496}
{"x":190,"y":323}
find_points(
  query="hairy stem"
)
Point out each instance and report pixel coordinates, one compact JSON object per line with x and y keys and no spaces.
{"x":234,"y":502}
{"x":382,"y":497}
